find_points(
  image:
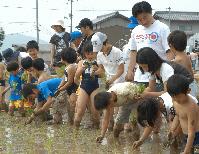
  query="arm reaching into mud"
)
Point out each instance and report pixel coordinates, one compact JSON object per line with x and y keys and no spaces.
{"x":105,"y":123}
{"x":145,"y":135}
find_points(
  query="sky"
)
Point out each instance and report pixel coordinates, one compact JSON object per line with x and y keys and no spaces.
{"x":19,"y":16}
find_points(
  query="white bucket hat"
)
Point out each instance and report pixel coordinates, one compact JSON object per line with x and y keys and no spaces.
{"x":58,"y":22}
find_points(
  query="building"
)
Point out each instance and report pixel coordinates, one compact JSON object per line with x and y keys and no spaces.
{"x":115,"y":26}
{"x":178,"y":20}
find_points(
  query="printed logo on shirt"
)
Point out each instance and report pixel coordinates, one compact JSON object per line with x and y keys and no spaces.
{"x":153,"y":37}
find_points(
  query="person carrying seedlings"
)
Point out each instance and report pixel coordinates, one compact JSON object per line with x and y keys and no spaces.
{"x":123,"y":95}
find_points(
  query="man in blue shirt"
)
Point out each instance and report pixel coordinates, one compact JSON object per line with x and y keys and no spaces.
{"x":45,"y":91}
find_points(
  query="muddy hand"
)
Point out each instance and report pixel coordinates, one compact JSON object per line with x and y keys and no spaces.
{"x":99,"y":139}
{"x":136,"y":144}
{"x":30,"y":119}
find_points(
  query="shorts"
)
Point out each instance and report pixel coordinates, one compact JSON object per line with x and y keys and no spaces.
{"x":16,"y":104}
{"x":60,"y":103}
{"x":124,"y":112}
{"x":2,"y":83}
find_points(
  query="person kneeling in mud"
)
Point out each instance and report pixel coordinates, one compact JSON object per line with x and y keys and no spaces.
{"x":45,"y":92}
{"x":122,"y":95}
{"x":149,"y":113}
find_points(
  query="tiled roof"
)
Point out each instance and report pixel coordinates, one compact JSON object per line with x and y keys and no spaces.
{"x":105,"y":17}
{"x":177,"y":15}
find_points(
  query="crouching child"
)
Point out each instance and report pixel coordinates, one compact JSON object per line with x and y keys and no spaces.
{"x":122,"y":95}
{"x":45,"y":93}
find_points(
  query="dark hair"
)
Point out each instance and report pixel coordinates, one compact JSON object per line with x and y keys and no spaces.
{"x":178,"y":39}
{"x":28,"y":89}
{"x":32,"y":45}
{"x":85,"y":22}
{"x":147,"y":111}
{"x":69,"y":55}
{"x":141,"y":7}
{"x":38,"y":64}
{"x":26,"y":63}
{"x":148,"y":56}
{"x":12,"y":66}
{"x":88,"y":47}
{"x":177,"y":84}
{"x":101,"y":100}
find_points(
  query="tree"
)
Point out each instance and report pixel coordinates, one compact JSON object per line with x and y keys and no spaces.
{"x":2,"y":36}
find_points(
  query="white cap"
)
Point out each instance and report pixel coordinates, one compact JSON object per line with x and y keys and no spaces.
{"x":58,"y":22}
{"x":97,"y":41}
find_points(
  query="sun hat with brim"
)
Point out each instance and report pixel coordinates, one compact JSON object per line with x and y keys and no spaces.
{"x":58,"y":23}
{"x":75,"y":35}
{"x":97,"y":41}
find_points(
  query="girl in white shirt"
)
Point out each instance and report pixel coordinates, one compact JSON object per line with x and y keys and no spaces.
{"x":159,"y":69}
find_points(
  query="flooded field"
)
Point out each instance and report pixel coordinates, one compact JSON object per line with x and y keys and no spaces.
{"x":42,"y":139}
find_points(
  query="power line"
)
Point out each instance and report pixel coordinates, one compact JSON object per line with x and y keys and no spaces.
{"x":102,"y":10}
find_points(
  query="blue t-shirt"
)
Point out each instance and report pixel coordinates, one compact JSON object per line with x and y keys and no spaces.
{"x":15,"y":83}
{"x":48,"y":88}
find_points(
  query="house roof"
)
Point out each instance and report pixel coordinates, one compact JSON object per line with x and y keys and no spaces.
{"x":106,"y":17}
{"x":177,"y":15}
{"x":42,"y":47}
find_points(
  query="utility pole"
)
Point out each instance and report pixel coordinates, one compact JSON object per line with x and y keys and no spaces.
{"x":71,"y":15}
{"x":37,"y":21}
{"x":169,"y":8}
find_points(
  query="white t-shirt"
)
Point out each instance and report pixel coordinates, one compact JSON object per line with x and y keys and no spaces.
{"x":166,"y":71}
{"x":168,"y":104}
{"x":154,"y":37}
{"x":110,"y":62}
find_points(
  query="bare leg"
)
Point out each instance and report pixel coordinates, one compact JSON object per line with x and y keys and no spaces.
{"x":72,"y":101}
{"x":94,"y":113}
{"x":82,"y":101}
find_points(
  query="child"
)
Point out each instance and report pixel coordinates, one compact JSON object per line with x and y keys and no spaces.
{"x":187,"y":111}
{"x":38,"y":66}
{"x":89,"y":86}
{"x":2,"y":83}
{"x":149,"y":114}
{"x":69,"y":57}
{"x":45,"y":92}
{"x":33,"y":49}
{"x":15,"y":86}
{"x":28,"y":75}
{"x":159,"y":69}
{"x":177,"y":42}
{"x":122,"y":95}
{"x":109,"y":59}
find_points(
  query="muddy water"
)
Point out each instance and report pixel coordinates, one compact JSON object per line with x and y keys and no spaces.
{"x":42,"y":139}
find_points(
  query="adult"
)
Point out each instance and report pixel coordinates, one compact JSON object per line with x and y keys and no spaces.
{"x":86,"y":27}
{"x":58,"y":41}
{"x":150,"y":33}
